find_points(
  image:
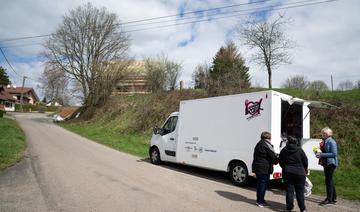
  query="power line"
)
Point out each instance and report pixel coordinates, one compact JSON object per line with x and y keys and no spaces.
{"x":229,"y":16}
{"x":21,"y":45}
{"x":12,"y":68}
{"x":196,"y":11}
{"x":24,"y":38}
{"x":149,"y":19}
{"x":162,"y":17}
{"x":7,"y":61}
{"x":269,"y":8}
{"x":221,"y":13}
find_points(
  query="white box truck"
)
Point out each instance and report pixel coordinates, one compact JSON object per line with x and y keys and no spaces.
{"x":220,"y":133}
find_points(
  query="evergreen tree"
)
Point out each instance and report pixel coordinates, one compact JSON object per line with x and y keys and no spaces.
{"x":228,"y":70}
{"x":4,"y":78}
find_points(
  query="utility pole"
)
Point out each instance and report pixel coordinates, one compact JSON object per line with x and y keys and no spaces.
{"x":181,"y":85}
{"x":22,"y":94}
{"x":332,"y":84}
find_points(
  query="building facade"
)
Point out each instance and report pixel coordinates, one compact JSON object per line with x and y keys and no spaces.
{"x":29,"y":95}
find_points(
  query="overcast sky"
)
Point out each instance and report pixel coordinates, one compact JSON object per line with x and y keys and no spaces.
{"x":327,"y":35}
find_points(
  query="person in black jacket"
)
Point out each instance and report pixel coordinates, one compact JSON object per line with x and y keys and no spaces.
{"x":294,"y":164}
{"x":262,"y":166}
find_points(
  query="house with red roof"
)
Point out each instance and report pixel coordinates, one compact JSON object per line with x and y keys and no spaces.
{"x":29,"y":95}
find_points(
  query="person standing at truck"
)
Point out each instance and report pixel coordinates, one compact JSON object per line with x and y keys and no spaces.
{"x":329,"y":152}
{"x":294,"y":164}
{"x":262,"y":166}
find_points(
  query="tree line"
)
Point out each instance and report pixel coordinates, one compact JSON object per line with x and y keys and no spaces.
{"x":88,"y":56}
{"x":302,"y":83}
{"x":89,"y":40}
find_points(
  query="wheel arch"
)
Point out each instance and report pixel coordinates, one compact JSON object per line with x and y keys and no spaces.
{"x":152,"y":147}
{"x":237,"y":161}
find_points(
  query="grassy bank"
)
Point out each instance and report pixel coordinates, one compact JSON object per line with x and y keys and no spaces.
{"x":12,"y":142}
{"x":125,"y":123}
{"x":346,"y":182}
{"x":136,"y":144}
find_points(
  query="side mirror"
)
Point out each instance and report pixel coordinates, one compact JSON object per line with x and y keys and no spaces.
{"x":158,"y":131}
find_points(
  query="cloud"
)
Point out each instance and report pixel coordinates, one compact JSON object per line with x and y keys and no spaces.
{"x":328,"y":42}
{"x":30,"y":69}
{"x":192,"y":37}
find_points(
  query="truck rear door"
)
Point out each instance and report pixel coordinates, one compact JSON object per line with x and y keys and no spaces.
{"x":308,"y":146}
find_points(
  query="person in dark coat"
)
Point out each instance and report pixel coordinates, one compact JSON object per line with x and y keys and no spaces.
{"x":294,"y":164}
{"x":262,"y":166}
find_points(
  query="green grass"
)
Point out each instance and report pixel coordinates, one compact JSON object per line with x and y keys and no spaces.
{"x":346,"y":183}
{"x":136,"y":144}
{"x":12,"y":142}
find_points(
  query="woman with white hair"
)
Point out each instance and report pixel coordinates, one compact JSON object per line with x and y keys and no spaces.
{"x":330,"y":155}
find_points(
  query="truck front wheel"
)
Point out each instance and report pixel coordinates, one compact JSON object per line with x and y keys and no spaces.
{"x":155,"y":155}
{"x":239,"y":174}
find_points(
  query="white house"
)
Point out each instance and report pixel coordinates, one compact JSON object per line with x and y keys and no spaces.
{"x":7,"y":101}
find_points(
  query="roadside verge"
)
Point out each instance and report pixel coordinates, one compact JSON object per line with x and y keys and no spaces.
{"x":12,"y":142}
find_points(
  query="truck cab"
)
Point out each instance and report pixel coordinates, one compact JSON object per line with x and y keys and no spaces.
{"x":164,"y":140}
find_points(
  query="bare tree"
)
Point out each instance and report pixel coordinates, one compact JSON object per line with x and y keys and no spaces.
{"x":83,"y":46}
{"x":55,"y":85}
{"x":272,"y":46}
{"x":155,"y":75}
{"x":296,"y":82}
{"x":162,"y":74}
{"x":345,"y":85}
{"x":172,"y":71}
{"x":201,"y":76}
{"x":318,"y":85}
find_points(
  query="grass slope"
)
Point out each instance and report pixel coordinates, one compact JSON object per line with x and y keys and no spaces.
{"x":136,"y":144}
{"x":12,"y":142}
{"x":125,"y":123}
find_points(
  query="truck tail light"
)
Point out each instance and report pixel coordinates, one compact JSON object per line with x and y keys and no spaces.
{"x":277,"y":175}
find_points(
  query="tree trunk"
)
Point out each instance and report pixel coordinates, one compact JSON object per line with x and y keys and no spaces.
{"x":269,"y":76}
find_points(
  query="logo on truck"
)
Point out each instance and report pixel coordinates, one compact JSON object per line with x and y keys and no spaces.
{"x":252,"y":109}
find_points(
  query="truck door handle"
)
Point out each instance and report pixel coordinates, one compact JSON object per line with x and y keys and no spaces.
{"x":172,"y":139}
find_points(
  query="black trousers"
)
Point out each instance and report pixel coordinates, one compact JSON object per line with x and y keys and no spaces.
{"x":294,"y":182}
{"x":330,"y":187}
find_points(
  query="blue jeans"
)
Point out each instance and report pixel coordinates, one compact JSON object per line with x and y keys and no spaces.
{"x":262,"y":184}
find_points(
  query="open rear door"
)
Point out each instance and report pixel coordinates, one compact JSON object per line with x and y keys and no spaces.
{"x":323,"y":105}
{"x":307,"y":146}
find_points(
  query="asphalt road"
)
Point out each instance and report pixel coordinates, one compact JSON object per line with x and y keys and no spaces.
{"x":65,"y":172}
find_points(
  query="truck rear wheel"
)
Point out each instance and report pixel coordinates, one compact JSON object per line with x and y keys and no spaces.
{"x":239,"y":174}
{"x":155,"y":155}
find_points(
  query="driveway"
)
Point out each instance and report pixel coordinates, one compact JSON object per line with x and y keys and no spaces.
{"x":63,"y":171}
